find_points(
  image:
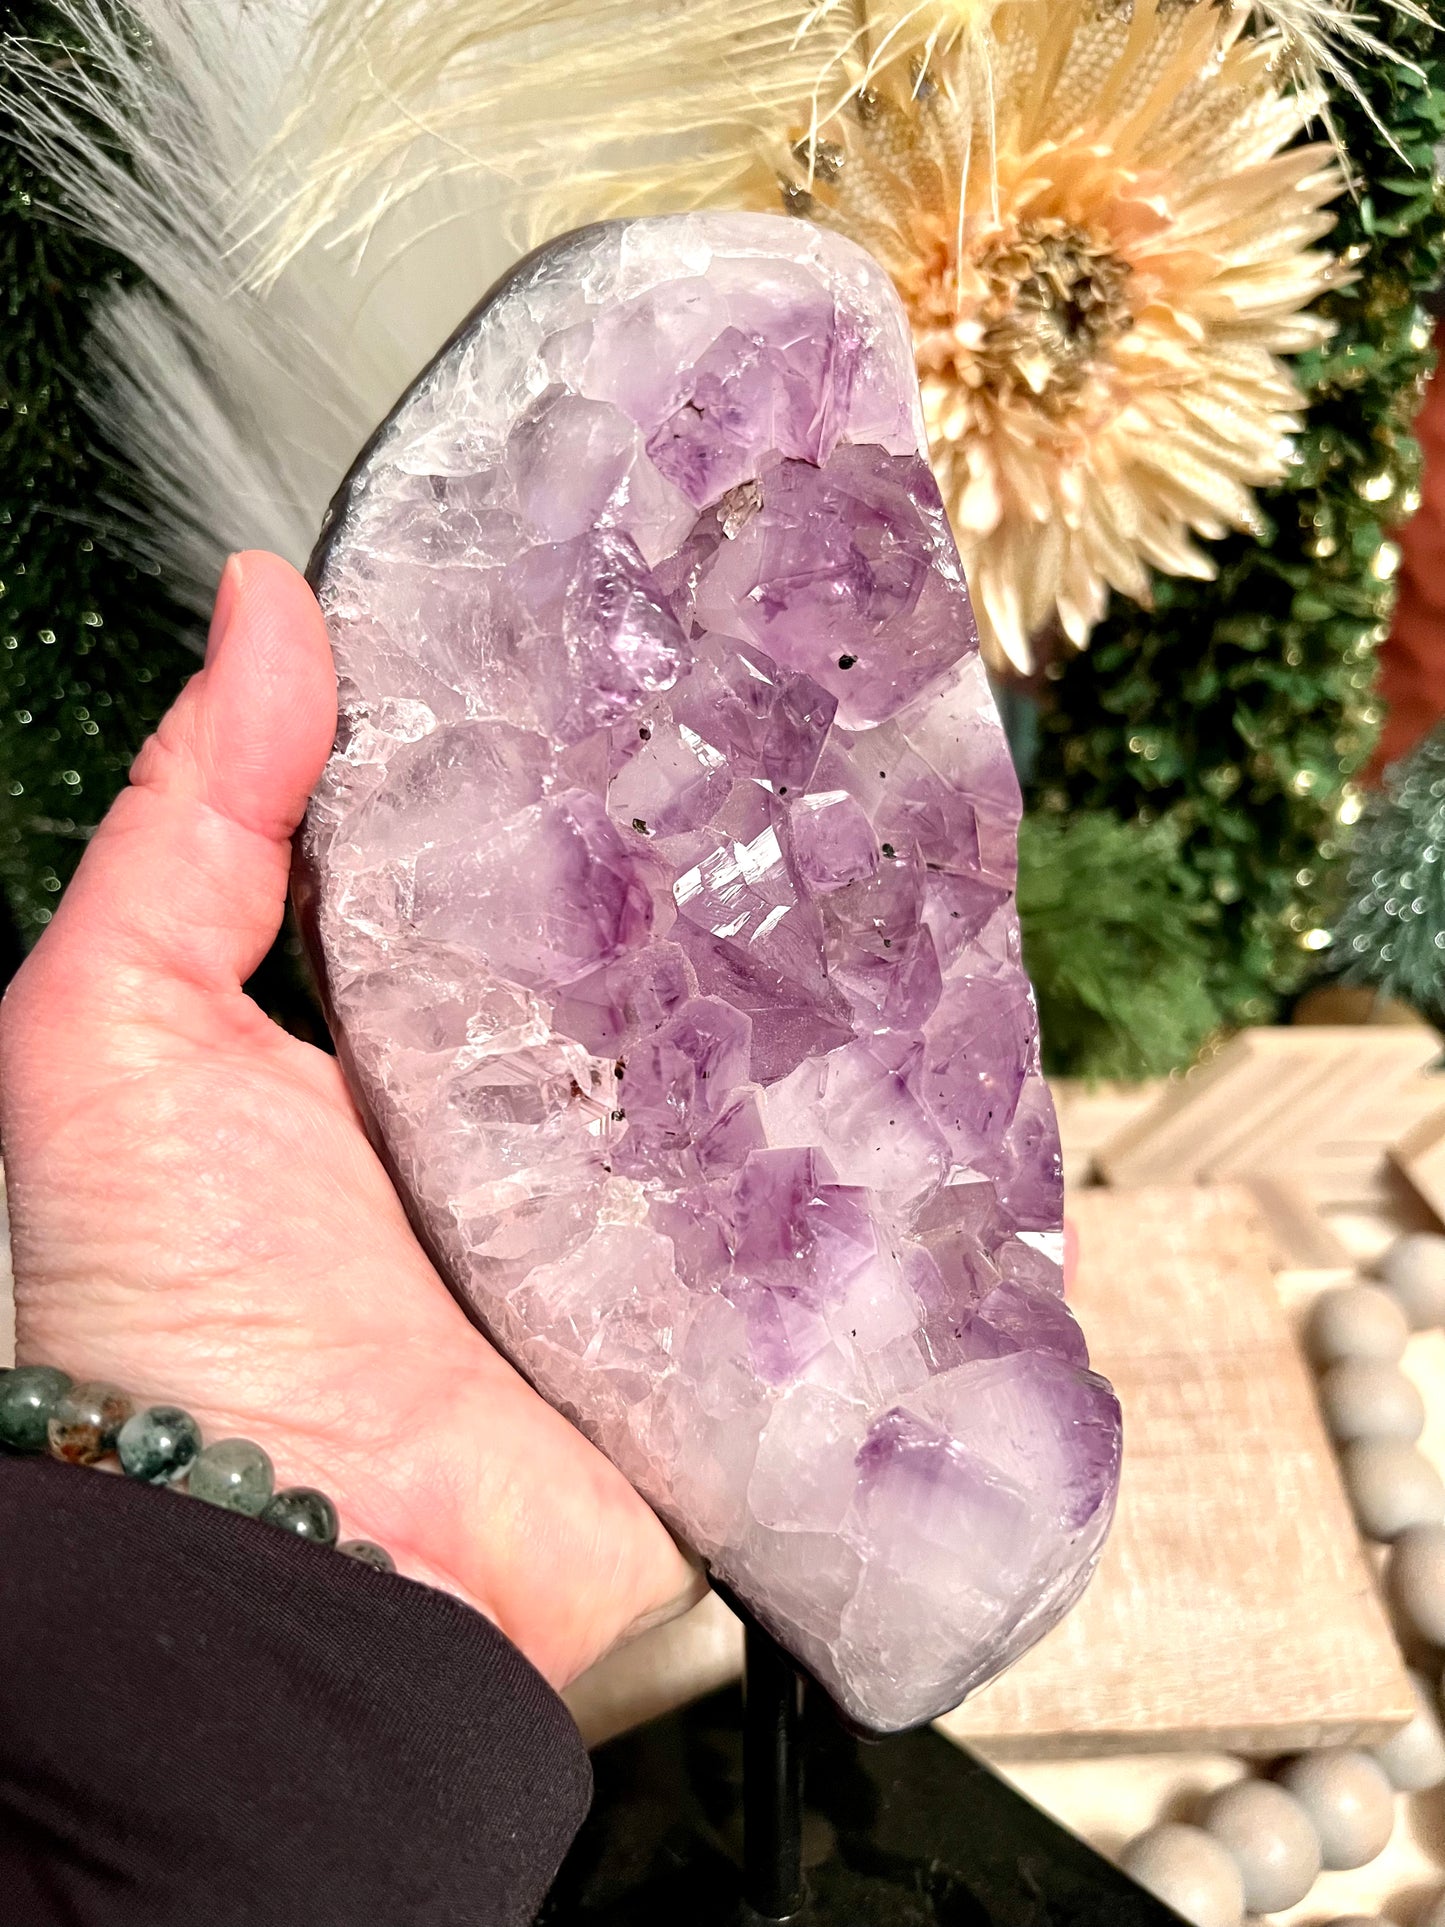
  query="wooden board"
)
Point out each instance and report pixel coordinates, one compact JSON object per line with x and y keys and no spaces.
{"x":670,"y":1666}
{"x":1234,"y":1599}
{"x":1092,"y":1115}
{"x":1234,"y":1607}
{"x":1319,"y":1103}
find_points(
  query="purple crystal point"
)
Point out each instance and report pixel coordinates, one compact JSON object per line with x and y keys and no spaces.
{"x":662,"y":879}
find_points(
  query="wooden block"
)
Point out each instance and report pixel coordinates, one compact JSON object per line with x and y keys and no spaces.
{"x":1321,"y":1103}
{"x":1419,"y":1157}
{"x":1300,"y":1239}
{"x":1350,"y":1004}
{"x":1234,"y":1608}
{"x":1092,"y":1115}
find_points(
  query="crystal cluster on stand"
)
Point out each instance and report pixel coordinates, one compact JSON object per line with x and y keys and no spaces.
{"x":662,"y":877}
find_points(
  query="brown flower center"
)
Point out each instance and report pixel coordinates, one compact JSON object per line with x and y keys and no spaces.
{"x":1057,"y":296}
{"x":1034,"y":304}
{"x":1029,"y":317}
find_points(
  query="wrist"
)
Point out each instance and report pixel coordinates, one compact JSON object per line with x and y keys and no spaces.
{"x":95,"y":1423}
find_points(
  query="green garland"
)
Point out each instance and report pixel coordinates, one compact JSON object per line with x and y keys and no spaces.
{"x":1391,"y":933}
{"x":92,"y":649}
{"x":1129,"y":997}
{"x":1236,"y":711}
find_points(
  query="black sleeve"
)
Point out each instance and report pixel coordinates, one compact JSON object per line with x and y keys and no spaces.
{"x":207,"y":1723}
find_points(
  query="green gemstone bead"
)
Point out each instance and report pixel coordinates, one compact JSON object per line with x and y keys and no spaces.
{"x":368,"y":1554}
{"x":86,"y":1422}
{"x":27,"y":1399}
{"x":158,"y":1444}
{"x":233,"y":1474}
{"x":307,"y":1513}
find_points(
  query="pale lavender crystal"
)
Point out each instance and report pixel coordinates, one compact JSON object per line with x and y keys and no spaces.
{"x":663,"y":879}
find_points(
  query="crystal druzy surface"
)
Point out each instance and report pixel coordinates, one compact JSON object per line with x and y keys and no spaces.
{"x":662,"y":875}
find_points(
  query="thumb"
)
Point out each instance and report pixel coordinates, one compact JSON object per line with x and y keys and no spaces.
{"x":184,"y":883}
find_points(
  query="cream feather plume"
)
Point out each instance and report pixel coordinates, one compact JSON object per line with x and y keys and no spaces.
{"x":242,"y":411}
{"x":595,"y":107}
{"x":589,"y":107}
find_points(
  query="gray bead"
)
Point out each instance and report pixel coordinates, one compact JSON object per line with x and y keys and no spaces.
{"x":28,"y":1395}
{"x":1415,"y":1580}
{"x":234,"y":1474}
{"x":1414,"y":1758}
{"x":1349,"y":1801}
{"x":368,"y":1554}
{"x":1355,"y":1321}
{"x":1189,"y":1871}
{"x":1364,"y":1399}
{"x":1391,"y":1486}
{"x":1413,"y":1271}
{"x":1272,"y":1840}
{"x":158,"y":1444}
{"x":301,"y":1510}
{"x":86,"y":1422}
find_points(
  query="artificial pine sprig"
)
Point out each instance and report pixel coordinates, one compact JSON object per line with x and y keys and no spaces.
{"x":1391,"y":933}
{"x":1116,"y":936}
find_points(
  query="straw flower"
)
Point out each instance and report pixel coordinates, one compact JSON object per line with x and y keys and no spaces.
{"x":1104,"y":255}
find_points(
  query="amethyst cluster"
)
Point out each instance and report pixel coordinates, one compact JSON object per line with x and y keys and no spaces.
{"x":663,"y":880}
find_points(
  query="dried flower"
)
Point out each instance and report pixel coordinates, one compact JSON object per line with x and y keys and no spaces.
{"x":1104,"y":257}
{"x":1091,"y":207}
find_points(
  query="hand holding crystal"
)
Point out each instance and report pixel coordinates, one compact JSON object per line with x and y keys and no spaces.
{"x":197,"y":1213}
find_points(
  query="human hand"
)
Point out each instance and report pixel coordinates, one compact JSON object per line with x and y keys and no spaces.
{"x":196,"y":1212}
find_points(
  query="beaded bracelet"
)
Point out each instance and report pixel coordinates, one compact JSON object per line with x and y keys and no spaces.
{"x":44,"y":1410}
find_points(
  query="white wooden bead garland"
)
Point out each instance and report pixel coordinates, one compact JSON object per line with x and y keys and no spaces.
{"x":1262,"y":1842}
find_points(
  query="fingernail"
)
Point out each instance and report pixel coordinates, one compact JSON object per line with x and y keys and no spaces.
{"x":226,"y":594}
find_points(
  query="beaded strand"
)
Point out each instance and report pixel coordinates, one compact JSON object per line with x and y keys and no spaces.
{"x":43,"y":1409}
{"x":1262,"y":1843}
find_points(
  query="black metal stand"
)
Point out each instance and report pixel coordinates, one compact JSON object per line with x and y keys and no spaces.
{"x":704,"y":1819}
{"x":772,"y":1781}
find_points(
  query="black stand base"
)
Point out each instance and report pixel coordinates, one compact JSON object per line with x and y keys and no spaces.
{"x":907,"y":1832}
